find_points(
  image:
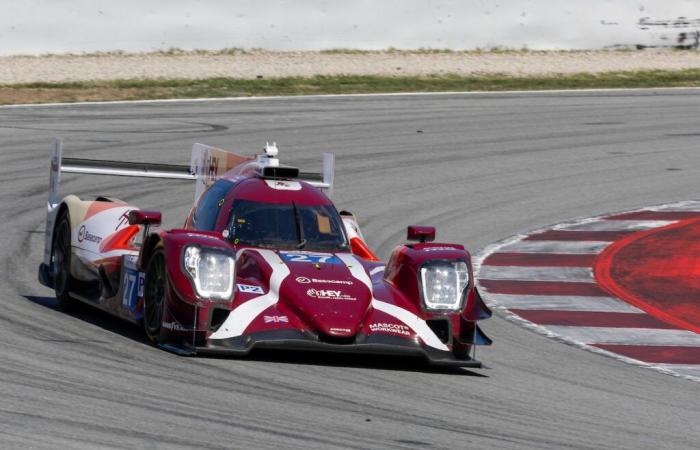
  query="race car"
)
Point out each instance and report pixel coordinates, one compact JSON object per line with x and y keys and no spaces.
{"x":263,"y":260}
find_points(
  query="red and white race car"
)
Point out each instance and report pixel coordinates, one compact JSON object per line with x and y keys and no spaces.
{"x":263,"y":260}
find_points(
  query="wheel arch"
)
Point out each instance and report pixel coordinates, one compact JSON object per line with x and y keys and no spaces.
{"x":68,"y":205}
{"x":148,"y":247}
{"x":76,"y":209}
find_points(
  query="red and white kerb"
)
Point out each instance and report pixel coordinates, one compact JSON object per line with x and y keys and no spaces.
{"x":545,"y":280}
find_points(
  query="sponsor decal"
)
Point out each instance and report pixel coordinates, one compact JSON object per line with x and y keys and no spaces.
{"x":340,"y":330}
{"x":284,"y":185}
{"x":174,"y":326}
{"x":308,"y":257}
{"x":329,"y":294}
{"x":123,"y":220}
{"x":85,"y":235}
{"x":390,"y":328}
{"x":212,"y":167}
{"x":305,"y":280}
{"x":276,"y":319}
{"x":248,"y":289}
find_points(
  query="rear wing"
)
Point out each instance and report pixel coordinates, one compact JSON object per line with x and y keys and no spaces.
{"x":206,"y":166}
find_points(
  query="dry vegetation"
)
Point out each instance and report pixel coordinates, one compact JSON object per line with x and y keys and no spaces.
{"x":236,"y":72}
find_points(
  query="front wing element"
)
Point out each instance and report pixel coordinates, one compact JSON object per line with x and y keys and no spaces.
{"x":376,"y":344}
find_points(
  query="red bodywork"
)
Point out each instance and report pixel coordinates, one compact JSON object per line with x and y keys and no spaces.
{"x":343,"y":301}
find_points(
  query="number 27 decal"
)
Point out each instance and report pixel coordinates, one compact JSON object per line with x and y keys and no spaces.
{"x":313,"y":258}
{"x":132,"y":288}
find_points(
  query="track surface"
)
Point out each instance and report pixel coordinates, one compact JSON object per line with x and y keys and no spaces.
{"x":482,"y":168}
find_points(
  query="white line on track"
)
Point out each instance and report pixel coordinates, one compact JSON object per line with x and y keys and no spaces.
{"x":563,"y":303}
{"x":581,"y":274}
{"x":628,"y":336}
{"x":558,"y":247}
{"x":385,"y":94}
{"x":683,"y":206}
{"x":617,"y":225}
{"x":688,"y":370}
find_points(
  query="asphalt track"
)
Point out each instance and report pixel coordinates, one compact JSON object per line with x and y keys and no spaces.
{"x":479,"y":167}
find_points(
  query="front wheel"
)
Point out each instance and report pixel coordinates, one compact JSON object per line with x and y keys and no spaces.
{"x":60,"y":262}
{"x":154,"y":295}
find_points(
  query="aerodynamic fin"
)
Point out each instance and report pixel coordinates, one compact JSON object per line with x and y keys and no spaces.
{"x":209,"y":163}
{"x":478,"y":310}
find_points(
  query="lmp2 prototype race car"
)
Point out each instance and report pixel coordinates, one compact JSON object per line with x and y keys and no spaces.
{"x":263,"y":260}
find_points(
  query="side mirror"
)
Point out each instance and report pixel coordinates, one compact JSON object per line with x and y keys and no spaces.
{"x":140,"y":217}
{"x":421,"y":234}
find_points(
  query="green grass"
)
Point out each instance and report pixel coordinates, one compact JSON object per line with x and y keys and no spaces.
{"x":231,"y":87}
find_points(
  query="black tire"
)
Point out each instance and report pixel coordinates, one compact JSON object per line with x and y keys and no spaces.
{"x":61,"y":254}
{"x":154,"y":295}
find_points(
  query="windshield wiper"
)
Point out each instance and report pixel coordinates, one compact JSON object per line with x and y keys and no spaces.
{"x":300,"y":228}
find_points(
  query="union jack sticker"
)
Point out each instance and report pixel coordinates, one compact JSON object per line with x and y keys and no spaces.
{"x":276,"y":319}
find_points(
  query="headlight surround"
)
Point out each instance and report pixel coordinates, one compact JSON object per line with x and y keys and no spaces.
{"x":210,"y":270}
{"x":443,"y":283}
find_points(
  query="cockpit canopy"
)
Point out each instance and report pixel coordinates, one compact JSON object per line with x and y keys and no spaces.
{"x":252,"y":213}
{"x":285,"y":226}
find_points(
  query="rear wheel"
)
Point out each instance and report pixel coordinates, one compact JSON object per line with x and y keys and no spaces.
{"x":60,"y":262}
{"x":154,"y":295}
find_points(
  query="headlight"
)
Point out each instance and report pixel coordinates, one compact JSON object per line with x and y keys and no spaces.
{"x":210,"y":271}
{"x":443,"y":284}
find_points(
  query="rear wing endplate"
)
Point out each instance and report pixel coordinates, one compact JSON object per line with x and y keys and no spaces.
{"x":206,"y":166}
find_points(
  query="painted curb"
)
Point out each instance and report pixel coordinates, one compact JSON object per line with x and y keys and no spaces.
{"x":690,"y":372}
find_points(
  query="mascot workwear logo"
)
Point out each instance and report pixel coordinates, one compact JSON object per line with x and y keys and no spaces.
{"x":328,"y":294}
{"x":85,"y":235}
{"x":390,"y":328}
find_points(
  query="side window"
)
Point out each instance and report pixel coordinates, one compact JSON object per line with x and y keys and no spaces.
{"x":210,"y":204}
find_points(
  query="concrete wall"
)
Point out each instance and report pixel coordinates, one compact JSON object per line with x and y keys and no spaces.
{"x":58,"y":26}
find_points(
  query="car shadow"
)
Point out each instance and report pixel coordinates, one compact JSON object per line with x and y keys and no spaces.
{"x":95,"y":316}
{"x":349,"y":360}
{"x":104,"y":320}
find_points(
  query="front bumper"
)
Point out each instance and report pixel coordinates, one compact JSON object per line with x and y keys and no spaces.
{"x":298,"y":340}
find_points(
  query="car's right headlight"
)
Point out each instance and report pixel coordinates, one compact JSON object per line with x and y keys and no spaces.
{"x":443,"y":283}
{"x":211,"y":271}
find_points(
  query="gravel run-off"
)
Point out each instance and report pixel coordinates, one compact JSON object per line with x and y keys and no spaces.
{"x":266,"y":64}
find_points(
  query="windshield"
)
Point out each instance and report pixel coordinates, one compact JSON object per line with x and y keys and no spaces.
{"x":286,"y":226}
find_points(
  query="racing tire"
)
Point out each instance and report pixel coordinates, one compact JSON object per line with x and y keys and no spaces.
{"x":61,"y":253}
{"x":154,"y":295}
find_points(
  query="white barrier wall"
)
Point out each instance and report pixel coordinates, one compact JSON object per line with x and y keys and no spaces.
{"x":59,"y":26}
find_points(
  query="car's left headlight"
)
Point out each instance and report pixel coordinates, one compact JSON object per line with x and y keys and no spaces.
{"x":211,"y":272}
{"x":443,"y":283}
